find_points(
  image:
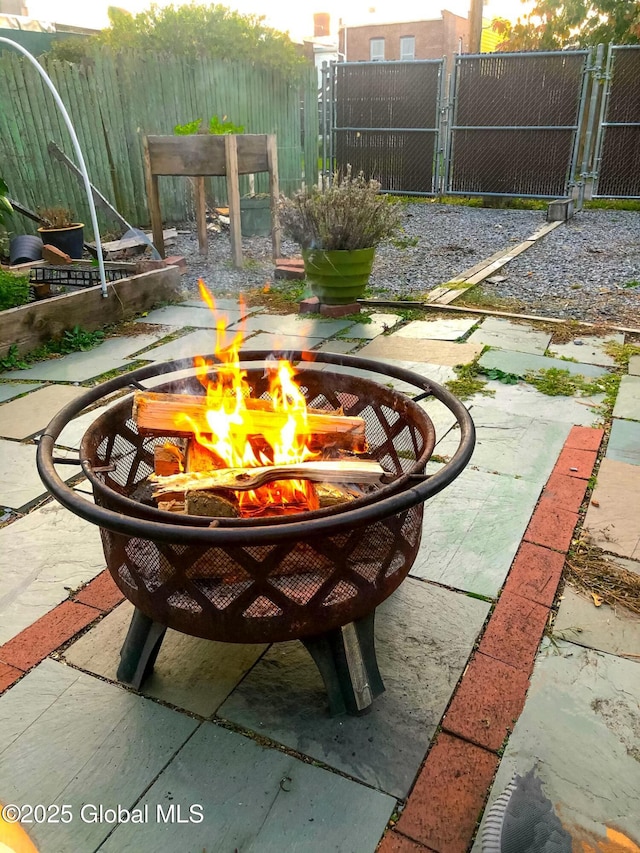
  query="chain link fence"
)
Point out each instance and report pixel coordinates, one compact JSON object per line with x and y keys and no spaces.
{"x":513,"y":124}
{"x":515,"y":120}
{"x":386,"y":123}
{"x":618,"y":140}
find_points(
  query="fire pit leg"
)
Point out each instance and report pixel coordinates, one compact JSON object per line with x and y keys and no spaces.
{"x":140,"y":649}
{"x":346,"y":658}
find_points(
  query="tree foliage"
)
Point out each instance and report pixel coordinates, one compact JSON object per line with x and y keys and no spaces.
{"x":558,"y":24}
{"x":197,"y":30}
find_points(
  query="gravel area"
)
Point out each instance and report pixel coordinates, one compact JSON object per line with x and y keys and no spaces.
{"x":578,"y":271}
{"x":583,"y":270}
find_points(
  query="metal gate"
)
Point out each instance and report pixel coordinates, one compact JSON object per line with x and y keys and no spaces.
{"x":386,"y":123}
{"x":515,"y":121}
{"x":617,"y":149}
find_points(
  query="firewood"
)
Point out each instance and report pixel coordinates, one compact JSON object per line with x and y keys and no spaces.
{"x":167,"y":459}
{"x":202,"y":502}
{"x":176,"y":506}
{"x":243,"y":479}
{"x":183,"y":414}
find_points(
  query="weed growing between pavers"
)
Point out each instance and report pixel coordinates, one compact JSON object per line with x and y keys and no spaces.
{"x":476,"y":297}
{"x":467,"y":382}
{"x":590,"y":570}
{"x":73,"y":340}
{"x":621,"y":353}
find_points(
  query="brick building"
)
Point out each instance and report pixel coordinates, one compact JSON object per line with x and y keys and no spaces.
{"x":433,"y":39}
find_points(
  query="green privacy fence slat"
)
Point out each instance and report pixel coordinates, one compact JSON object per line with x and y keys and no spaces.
{"x":114,"y":101}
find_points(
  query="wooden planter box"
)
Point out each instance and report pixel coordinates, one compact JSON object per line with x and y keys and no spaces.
{"x":31,"y":325}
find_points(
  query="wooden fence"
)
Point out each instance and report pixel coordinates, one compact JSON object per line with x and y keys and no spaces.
{"x":114,"y":101}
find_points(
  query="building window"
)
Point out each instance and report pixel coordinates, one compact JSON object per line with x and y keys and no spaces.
{"x":408,"y":47}
{"x":376,"y":48}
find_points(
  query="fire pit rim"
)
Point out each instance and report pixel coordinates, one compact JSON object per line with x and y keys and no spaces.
{"x":267,"y":534}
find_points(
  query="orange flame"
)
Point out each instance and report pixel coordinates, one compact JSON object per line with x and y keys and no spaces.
{"x":232,"y":442}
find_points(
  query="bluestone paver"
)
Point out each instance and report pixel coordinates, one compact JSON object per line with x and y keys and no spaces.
{"x":378,"y":323}
{"x":407,"y":349}
{"x":588,"y":350}
{"x":610,"y":629}
{"x":274,"y":342}
{"x":190,"y":672}
{"x":111,"y":354}
{"x":523,"y":399}
{"x":437,"y":330}
{"x":201,"y":317}
{"x":520,"y":363}
{"x":19,"y":480}
{"x":293,"y":324}
{"x":634,"y":365}
{"x":222,"y":304}
{"x":504,"y":334}
{"x":72,"y":434}
{"x":424,"y":635}
{"x":202,"y":342}
{"x":256,"y":800}
{"x":519,"y":445}
{"x":579,"y":729}
{"x":30,"y":414}
{"x":614,"y":524}
{"x":342,"y":347}
{"x":628,"y":399}
{"x":472,"y":530}
{"x":66,"y":737}
{"x":42,"y":556}
{"x":624,"y":441}
{"x":8,"y":391}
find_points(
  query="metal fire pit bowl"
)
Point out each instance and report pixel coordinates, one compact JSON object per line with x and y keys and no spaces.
{"x":315,"y":576}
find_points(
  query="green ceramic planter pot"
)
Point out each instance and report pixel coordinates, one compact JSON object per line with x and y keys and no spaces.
{"x":338,"y":276}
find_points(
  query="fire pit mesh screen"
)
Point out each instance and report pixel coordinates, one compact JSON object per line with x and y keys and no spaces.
{"x":294,"y":587}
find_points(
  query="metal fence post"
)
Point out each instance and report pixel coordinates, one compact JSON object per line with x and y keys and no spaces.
{"x":596,"y":80}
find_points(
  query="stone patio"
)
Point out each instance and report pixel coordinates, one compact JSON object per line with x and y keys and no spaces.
{"x":242,"y":732}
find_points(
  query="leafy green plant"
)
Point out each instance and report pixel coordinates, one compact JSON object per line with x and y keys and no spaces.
{"x":77,"y":339}
{"x":14,"y":290}
{"x":501,"y":376}
{"x":217,"y":127}
{"x":220,"y":127}
{"x":349,"y":214}
{"x":5,"y":204}
{"x":188,"y":129}
{"x":633,"y":283}
{"x":12,"y":361}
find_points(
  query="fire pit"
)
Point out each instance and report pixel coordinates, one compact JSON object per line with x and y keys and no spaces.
{"x":316,"y":575}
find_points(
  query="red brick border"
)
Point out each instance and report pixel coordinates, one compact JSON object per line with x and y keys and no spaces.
{"x":453,"y":785}
{"x":31,"y":646}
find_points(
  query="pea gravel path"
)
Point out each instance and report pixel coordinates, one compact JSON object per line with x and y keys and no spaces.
{"x":583,"y":270}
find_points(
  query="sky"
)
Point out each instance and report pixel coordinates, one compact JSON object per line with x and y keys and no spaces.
{"x":293,"y":16}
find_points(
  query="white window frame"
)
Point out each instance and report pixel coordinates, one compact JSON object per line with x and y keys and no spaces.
{"x":404,"y":40}
{"x":376,"y":55}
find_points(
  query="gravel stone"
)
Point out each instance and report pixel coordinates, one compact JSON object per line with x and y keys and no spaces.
{"x":578,"y":271}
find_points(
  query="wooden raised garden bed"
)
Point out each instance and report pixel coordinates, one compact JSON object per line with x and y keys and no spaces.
{"x":30,"y":325}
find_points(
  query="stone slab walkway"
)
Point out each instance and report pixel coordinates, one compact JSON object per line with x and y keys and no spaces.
{"x":242,"y":733}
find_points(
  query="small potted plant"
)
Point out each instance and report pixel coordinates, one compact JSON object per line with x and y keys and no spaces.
{"x":338,"y":229}
{"x":58,"y":229}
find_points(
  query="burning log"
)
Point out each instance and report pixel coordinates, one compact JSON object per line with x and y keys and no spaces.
{"x":184,"y":414}
{"x":247,"y":479}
